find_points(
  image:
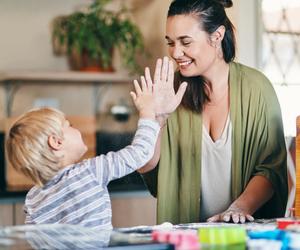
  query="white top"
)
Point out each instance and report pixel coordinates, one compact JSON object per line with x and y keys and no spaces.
{"x":215,"y":173}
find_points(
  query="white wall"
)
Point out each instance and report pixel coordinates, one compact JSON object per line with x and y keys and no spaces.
{"x":247,"y":31}
{"x":25,"y":30}
{"x":25,"y":43}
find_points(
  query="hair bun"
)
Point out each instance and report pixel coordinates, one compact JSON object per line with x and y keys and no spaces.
{"x":226,"y":3}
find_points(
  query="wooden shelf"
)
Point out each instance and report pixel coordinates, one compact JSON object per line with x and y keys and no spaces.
{"x":63,"y":76}
{"x":12,"y":80}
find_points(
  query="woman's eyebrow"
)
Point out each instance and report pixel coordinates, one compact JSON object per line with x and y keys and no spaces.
{"x":178,"y":38}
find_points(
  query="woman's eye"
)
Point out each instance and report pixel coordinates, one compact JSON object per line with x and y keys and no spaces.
{"x":186,"y":43}
{"x":170,"y":44}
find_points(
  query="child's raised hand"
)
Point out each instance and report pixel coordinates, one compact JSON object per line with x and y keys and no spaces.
{"x":143,"y":98}
{"x":166,"y":100}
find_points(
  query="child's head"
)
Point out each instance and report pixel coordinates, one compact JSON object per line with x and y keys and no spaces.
{"x":41,"y":142}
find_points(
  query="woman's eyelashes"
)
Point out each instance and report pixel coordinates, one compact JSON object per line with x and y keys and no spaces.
{"x":170,"y":44}
{"x":183,"y":43}
{"x":186,"y":44}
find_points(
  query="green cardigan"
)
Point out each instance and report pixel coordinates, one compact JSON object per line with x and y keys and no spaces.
{"x":258,"y":148}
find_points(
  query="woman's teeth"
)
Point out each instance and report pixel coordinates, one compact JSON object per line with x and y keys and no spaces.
{"x":185,"y":63}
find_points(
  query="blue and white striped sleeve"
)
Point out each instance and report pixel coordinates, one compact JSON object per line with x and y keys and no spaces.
{"x":114,"y":165}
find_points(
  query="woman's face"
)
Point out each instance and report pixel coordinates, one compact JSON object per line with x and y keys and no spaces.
{"x":189,"y":46}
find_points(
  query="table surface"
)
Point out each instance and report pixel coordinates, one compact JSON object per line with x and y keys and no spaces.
{"x":59,"y":236}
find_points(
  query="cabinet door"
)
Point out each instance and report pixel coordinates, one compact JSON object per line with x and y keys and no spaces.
{"x":133,"y":211}
{"x":19,"y":214}
{"x":6,"y":215}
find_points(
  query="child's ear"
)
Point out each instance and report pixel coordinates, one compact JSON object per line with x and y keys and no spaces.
{"x":55,"y":142}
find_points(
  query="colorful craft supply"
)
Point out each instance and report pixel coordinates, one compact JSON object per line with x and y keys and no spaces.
{"x":282,"y":223}
{"x":182,"y":239}
{"x":222,"y":235}
{"x":277,"y":234}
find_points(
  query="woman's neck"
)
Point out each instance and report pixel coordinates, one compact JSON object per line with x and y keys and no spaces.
{"x":218,"y":77}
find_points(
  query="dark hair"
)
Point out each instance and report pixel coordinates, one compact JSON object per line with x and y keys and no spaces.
{"x":211,"y":15}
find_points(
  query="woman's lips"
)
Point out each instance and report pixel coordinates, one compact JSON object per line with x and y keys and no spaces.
{"x":184,"y":64}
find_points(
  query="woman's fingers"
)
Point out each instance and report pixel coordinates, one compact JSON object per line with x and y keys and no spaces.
{"x":226,"y":216}
{"x":242,"y":218}
{"x":235,"y":217}
{"x":157,"y":73}
{"x":164,"y":69}
{"x":148,"y":78}
{"x":180,"y":92}
{"x":170,"y":79}
{"x":215,"y":218}
{"x":164,"y":72}
{"x":249,"y":217}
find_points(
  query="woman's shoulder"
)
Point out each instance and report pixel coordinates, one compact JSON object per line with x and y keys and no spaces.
{"x":251,"y":77}
{"x":249,"y":72}
{"x":254,"y":83}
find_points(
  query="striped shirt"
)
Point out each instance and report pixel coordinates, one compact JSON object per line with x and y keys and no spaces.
{"x":78,"y":193}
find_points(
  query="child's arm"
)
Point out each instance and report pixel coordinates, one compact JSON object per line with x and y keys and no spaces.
{"x":117,"y":164}
{"x":114,"y":165}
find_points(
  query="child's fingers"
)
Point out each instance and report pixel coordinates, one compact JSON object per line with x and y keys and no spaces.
{"x":157,"y":73}
{"x":133,"y":96}
{"x":137,"y":88}
{"x":144,"y":84}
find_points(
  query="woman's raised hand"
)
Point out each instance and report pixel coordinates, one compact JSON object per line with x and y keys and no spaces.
{"x":166,"y":100}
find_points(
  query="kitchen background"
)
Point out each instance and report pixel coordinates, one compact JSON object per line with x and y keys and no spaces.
{"x":268,"y":38}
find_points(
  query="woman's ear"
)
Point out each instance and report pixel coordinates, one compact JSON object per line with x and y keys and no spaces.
{"x":55,"y":142}
{"x":217,"y":36}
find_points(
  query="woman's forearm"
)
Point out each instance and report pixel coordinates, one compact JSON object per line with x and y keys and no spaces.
{"x":258,"y":191}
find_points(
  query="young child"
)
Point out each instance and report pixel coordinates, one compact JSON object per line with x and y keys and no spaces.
{"x":43,"y":145}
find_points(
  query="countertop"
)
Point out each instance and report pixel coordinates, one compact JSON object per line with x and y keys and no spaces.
{"x":59,"y":236}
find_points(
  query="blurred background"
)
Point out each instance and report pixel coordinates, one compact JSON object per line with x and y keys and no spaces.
{"x":35,"y":71}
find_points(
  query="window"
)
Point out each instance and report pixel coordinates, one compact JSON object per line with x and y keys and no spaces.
{"x":281,"y":55}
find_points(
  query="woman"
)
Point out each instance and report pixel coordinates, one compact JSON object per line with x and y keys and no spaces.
{"x":222,"y":154}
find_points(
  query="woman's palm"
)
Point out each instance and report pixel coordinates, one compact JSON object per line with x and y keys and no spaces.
{"x":166,"y":100}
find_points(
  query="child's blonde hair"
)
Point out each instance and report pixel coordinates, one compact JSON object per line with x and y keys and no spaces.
{"x":27,"y":146}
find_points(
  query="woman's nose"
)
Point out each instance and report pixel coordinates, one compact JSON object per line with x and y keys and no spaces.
{"x":176,"y":52}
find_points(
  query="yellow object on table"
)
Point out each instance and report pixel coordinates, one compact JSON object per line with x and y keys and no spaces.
{"x":222,"y":235}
